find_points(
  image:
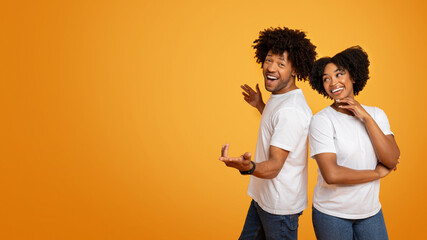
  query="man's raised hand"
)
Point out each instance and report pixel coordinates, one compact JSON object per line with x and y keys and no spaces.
{"x":254,"y":98}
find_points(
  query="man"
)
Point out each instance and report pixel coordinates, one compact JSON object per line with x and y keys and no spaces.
{"x":278,"y":185}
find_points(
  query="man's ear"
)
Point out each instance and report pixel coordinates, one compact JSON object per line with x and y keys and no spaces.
{"x":293,"y":73}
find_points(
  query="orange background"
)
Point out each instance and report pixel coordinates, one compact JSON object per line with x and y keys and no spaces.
{"x":113,"y":112}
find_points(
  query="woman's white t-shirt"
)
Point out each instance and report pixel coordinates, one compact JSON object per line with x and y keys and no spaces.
{"x":347,"y":137}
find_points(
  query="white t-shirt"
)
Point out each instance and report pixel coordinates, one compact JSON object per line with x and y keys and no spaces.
{"x":346,"y":136}
{"x":284,"y":124}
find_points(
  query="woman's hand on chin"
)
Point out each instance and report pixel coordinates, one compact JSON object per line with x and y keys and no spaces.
{"x":354,"y":106}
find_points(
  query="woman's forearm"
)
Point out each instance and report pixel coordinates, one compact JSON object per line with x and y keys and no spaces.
{"x":385,"y":146}
{"x":343,"y":175}
{"x":333,"y":173}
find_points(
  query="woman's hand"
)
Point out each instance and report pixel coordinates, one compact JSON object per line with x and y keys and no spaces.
{"x":355,"y":107}
{"x":382,"y":170}
{"x":385,"y":146}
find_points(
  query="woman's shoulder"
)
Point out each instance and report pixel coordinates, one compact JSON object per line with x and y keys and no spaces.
{"x":373,"y":111}
{"x":324,"y":113}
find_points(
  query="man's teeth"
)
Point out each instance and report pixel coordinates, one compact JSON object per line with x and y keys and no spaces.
{"x":336,"y":90}
{"x":271,"y":77}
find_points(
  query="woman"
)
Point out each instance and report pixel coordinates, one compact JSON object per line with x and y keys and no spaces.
{"x":353,"y":147}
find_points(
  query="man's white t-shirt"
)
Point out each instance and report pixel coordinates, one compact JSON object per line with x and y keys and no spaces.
{"x":284,"y":124}
{"x":346,"y":136}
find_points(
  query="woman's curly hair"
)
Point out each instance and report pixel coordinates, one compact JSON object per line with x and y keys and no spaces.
{"x":354,"y":60}
{"x":301,"y":52}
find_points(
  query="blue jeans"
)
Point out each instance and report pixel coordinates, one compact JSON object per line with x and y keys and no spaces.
{"x":328,"y":227}
{"x":260,"y":224}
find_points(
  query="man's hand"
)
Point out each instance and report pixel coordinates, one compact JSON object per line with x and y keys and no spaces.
{"x":252,"y":97}
{"x":242,"y":163}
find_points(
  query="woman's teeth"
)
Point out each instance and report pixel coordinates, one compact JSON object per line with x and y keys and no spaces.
{"x":336,"y":90}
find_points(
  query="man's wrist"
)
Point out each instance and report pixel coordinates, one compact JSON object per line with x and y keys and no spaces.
{"x":261,"y":106}
{"x":249,"y":172}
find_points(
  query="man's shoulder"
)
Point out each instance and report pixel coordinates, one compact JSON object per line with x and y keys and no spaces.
{"x":294,"y":101}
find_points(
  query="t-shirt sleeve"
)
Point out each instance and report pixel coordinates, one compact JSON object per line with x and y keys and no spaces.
{"x":289,"y":126}
{"x":321,"y":136}
{"x":382,"y":121}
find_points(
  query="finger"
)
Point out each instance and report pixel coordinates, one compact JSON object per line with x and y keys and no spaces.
{"x":355,"y":109}
{"x":249,"y":89}
{"x":226,"y":163}
{"x":345,"y":106}
{"x":247,"y":156}
{"x":224,"y":152}
{"x":246,"y":95}
{"x":245,"y":89}
{"x":349,"y":107}
{"x":236,"y":159}
{"x":348,"y":100}
{"x":352,"y":109}
{"x":257,"y":88}
{"x":252,"y":91}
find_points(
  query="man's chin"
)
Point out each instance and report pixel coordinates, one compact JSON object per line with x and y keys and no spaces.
{"x":269,"y":89}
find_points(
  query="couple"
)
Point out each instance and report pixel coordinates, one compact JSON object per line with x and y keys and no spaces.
{"x":352,"y":144}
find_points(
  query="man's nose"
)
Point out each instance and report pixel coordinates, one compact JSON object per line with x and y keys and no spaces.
{"x":272,"y":67}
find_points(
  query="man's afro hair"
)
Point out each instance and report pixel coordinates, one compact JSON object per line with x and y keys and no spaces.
{"x":301,"y":52}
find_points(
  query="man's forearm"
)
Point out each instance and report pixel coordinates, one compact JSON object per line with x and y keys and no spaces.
{"x":267,"y":170}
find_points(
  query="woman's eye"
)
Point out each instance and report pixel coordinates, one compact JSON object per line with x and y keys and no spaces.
{"x":282,"y":65}
{"x":326,"y":79}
